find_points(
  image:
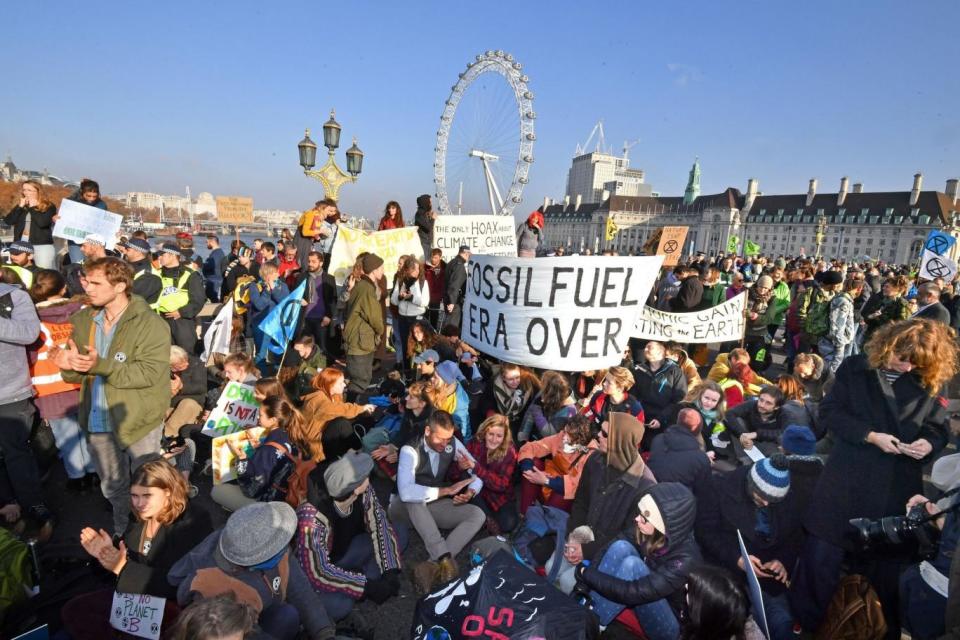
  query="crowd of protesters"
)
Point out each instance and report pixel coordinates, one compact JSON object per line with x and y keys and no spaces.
{"x":630,"y":486}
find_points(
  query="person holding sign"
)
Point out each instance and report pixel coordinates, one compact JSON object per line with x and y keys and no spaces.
{"x":165,"y":527}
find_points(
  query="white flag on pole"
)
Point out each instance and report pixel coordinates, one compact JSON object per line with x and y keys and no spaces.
{"x":217,"y":337}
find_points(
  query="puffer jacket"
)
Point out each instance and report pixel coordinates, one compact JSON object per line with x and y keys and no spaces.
{"x":669,"y":566}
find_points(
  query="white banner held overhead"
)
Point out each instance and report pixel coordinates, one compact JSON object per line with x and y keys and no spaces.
{"x":556,"y":313}
{"x":933,"y":266}
{"x":78,"y":220}
{"x":485,"y":235}
{"x":722,"y":323}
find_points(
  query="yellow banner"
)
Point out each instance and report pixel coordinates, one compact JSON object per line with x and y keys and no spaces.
{"x":389,"y":245}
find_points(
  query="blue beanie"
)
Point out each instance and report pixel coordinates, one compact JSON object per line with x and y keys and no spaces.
{"x":770,"y":478}
{"x":798,"y":440}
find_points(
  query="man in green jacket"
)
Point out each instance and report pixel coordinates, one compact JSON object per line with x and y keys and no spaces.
{"x":364,"y":325}
{"x":120,"y":353}
{"x":781,"y":298}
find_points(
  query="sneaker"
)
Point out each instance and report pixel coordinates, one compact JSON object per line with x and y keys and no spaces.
{"x":425,"y":576}
{"x":448,"y":570}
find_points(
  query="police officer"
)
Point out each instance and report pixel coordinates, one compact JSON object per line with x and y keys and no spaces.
{"x":146,"y":284}
{"x":21,"y":261}
{"x":181,"y":296}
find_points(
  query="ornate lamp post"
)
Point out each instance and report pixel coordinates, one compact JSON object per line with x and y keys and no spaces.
{"x":331,"y":176}
{"x":821,"y":232}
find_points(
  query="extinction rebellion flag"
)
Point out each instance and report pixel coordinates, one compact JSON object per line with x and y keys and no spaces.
{"x":934,"y":262}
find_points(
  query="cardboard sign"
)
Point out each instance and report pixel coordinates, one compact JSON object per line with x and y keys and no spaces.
{"x":556,"y":313}
{"x":671,"y":245}
{"x":236,"y":410}
{"x":78,"y":220}
{"x":222,"y":452}
{"x":389,"y":245}
{"x":722,"y":323}
{"x":233,"y":210}
{"x":753,"y":589}
{"x":137,"y":614}
{"x":485,"y":235}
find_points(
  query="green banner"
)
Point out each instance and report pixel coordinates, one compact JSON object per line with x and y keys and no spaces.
{"x":732,"y":244}
{"x":751,"y":248}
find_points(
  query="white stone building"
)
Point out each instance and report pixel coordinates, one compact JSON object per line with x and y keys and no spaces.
{"x":593,"y":173}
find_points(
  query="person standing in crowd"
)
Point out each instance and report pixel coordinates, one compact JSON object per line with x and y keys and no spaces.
{"x":242,"y":269}
{"x":781,"y":299}
{"x":411,"y":295}
{"x":430,"y":502}
{"x":146,"y":284}
{"x":530,"y":236}
{"x":308,"y":230}
{"x":736,"y":285}
{"x":21,"y":261}
{"x":89,"y":194}
{"x":213,"y":278}
{"x":887,"y":420}
{"x":838,"y":343}
{"x":264,"y":297}
{"x":889,"y":305}
{"x":319,"y":303}
{"x":434,"y":272}
{"x":713,"y":289}
{"x":119,"y":352}
{"x":58,"y":401}
{"x":689,"y":294}
{"x":267,"y":254}
{"x":181,"y":298}
{"x":327,"y":229}
{"x":364,"y":324}
{"x":456,"y":286}
{"x":928,"y":301}
{"x":288,"y":266}
{"x":392,"y":217}
{"x":42,"y":214}
{"x":424,"y":219}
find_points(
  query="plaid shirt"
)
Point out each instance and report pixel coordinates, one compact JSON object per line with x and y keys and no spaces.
{"x":497,"y":476}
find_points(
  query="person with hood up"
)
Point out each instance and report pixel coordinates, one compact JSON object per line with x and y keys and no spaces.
{"x":677,"y":456}
{"x":424,"y":218}
{"x":251,"y":557}
{"x":758,"y":502}
{"x":530,"y":236}
{"x":648,"y":571}
{"x":760,"y":312}
{"x":659,"y":383}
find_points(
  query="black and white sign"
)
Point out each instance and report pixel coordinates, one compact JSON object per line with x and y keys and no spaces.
{"x":722,"y":323}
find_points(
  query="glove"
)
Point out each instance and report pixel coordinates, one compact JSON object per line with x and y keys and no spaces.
{"x":381,"y":589}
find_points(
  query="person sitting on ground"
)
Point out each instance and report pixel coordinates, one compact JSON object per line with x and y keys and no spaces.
{"x":551,"y":408}
{"x":816,"y":377}
{"x":448,"y":393}
{"x":262,"y":477}
{"x":327,"y":401}
{"x":676,"y":353}
{"x":796,"y":408}
{"x":264,"y":297}
{"x":188,"y":388}
{"x":312,"y":361}
{"x":708,"y":400}
{"x":614,"y":396}
{"x":647,"y":572}
{"x":429,"y":502}
{"x":659,"y":383}
{"x":165,"y":527}
{"x":421,"y":338}
{"x":215,"y":618}
{"x":722,"y":369}
{"x":717,"y":606}
{"x":758,"y":423}
{"x":345,"y":544}
{"x":552,"y":467}
{"x":585,"y":384}
{"x":677,"y":456}
{"x":494,"y":461}
{"x":251,"y":557}
{"x":509,"y":394}
{"x":757,"y":501}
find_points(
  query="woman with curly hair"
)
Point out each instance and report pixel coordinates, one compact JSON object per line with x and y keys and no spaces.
{"x":42,"y":214}
{"x":888,"y":420}
{"x":421,"y":337}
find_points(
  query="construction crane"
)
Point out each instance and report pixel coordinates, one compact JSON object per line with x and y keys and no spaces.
{"x":629,"y":145}
{"x":601,"y":140}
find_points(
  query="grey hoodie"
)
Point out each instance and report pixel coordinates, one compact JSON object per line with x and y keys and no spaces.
{"x":19,"y":327}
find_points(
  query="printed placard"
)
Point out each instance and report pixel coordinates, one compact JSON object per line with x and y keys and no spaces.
{"x":237,"y":409}
{"x":223,"y":452}
{"x":722,"y":323}
{"x":78,"y":220}
{"x":485,"y":235}
{"x":138,"y":614}
{"x":556,"y":313}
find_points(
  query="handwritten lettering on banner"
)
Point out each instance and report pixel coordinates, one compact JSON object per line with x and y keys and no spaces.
{"x":137,"y":614}
{"x":237,"y":409}
{"x":389,"y":245}
{"x":78,"y":220}
{"x":556,"y":313}
{"x":485,"y":235}
{"x":234,"y":210}
{"x":722,"y":323}
{"x":223,"y":452}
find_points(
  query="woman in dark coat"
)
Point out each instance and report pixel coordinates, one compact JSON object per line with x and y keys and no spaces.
{"x":887,"y":421}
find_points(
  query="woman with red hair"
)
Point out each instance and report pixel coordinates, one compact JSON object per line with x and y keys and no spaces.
{"x":530,"y":235}
{"x":326,"y":403}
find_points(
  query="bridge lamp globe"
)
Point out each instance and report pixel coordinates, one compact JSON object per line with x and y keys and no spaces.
{"x":331,"y":133}
{"x":354,"y":159}
{"x":308,"y":152}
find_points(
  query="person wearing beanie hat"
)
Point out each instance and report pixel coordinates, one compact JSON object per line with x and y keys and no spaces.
{"x":345,"y":543}
{"x":364,"y":327}
{"x":182,"y":296}
{"x":676,"y":455}
{"x":761,"y":503}
{"x":798,"y":440}
{"x":251,"y":557}
{"x":648,"y":573}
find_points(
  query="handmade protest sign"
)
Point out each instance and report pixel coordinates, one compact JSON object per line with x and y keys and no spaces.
{"x":236,"y":410}
{"x":138,"y":614}
{"x":224,"y":452}
{"x":485,"y":235}
{"x":722,"y":323}
{"x":234,"y":210}
{"x":78,"y":220}
{"x":555,"y":313}
{"x":671,"y":245}
{"x":389,"y":245}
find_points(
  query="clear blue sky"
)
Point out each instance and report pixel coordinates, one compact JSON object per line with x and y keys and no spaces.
{"x":215,"y":95}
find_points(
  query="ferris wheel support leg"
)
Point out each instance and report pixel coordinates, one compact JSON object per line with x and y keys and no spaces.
{"x":496,"y":201}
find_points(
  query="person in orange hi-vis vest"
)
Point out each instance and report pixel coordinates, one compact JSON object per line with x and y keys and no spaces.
{"x":58,"y":401}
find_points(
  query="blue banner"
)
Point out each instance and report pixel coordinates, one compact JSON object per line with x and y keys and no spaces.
{"x":939,"y":242}
{"x":280,"y":325}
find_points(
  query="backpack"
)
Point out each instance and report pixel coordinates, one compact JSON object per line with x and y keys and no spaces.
{"x":15,"y":575}
{"x":291,"y":485}
{"x":818,"y":314}
{"x":854,"y":613}
{"x":241,"y":294}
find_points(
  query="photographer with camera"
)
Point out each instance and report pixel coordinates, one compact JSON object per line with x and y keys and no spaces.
{"x":887,"y":421}
{"x":924,"y":586}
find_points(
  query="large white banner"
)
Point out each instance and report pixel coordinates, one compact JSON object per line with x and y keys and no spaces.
{"x":485,"y":235}
{"x":389,"y":245}
{"x":722,"y":323}
{"x":566,"y":314}
{"x":78,"y":220}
